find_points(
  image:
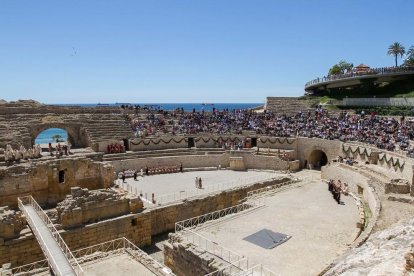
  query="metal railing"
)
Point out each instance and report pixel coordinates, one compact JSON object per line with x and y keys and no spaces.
{"x":257,"y":270}
{"x":210,"y":246}
{"x":207,"y":189}
{"x":196,"y":221}
{"x":29,"y":200}
{"x":272,"y":187}
{"x":231,"y":269}
{"x":369,"y":72}
{"x":33,"y":268}
{"x":120,"y":246}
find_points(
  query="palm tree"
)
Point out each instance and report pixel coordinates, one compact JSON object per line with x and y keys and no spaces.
{"x":410,"y":52}
{"x":396,"y":49}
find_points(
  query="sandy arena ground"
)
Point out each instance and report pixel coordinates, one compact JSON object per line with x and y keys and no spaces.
{"x":320,"y":229}
{"x":163,"y":184}
{"x":116,"y":265}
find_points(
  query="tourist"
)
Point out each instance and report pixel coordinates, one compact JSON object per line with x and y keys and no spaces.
{"x":123,"y":176}
{"x":135,"y":175}
{"x":196,"y":182}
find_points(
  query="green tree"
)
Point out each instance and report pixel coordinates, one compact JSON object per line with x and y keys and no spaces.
{"x":409,"y":61}
{"x":396,"y":49}
{"x":410,"y":52}
{"x":57,"y":138}
{"x":335,"y":70}
{"x":345,"y":66}
{"x":341,"y":68}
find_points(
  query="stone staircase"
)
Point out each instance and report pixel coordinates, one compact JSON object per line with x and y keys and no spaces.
{"x":288,"y":105}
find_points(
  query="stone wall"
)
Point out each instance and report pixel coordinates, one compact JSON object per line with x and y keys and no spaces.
{"x":188,"y":161}
{"x":83,"y":206}
{"x":41,"y":179}
{"x":210,"y":160}
{"x":305,"y":147}
{"x":11,"y":223}
{"x":186,"y":259}
{"x":277,"y":143}
{"x":174,"y":142}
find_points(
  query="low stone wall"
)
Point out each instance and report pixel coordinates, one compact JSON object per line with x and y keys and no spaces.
{"x":188,"y":161}
{"x":277,"y":143}
{"x":41,"y":179}
{"x":251,"y":161}
{"x":173,"y":142}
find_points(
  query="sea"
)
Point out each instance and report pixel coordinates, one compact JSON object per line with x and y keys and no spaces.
{"x":45,"y":136}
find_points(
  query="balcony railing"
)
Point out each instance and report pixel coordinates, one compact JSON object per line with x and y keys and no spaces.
{"x":355,"y":74}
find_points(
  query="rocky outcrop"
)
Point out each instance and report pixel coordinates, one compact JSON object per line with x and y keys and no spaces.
{"x":84,"y":206}
{"x":11,"y":223}
{"x":384,"y":253}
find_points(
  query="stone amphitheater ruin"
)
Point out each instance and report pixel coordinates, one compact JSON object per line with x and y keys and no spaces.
{"x":73,"y":216}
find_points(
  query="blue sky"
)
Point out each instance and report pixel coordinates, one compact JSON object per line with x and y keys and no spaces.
{"x":188,"y":51}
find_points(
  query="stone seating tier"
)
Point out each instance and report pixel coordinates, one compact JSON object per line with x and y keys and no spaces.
{"x":288,"y":105}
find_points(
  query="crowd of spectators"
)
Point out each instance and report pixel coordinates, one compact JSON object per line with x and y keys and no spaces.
{"x":387,"y":133}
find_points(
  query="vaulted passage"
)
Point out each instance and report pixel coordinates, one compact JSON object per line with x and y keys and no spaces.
{"x":317,"y":159}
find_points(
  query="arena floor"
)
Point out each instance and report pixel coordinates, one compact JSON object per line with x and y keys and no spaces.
{"x":320,"y":229}
{"x":122,"y":264}
{"x":166,"y":184}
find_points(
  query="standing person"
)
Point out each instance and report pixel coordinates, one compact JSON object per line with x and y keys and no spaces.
{"x":146,"y":170}
{"x":196,"y":182}
{"x":123,"y":176}
{"x":50,"y":149}
{"x":181,"y":167}
{"x":200,"y":186}
{"x":135,"y":175}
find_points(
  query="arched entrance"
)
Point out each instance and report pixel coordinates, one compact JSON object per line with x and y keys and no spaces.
{"x":317,"y":159}
{"x":72,"y":132}
{"x":51,"y":135}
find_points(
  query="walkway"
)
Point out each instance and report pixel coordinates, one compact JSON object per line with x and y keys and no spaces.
{"x":49,"y":245}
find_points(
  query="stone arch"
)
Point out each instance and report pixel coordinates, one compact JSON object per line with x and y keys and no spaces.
{"x":73,"y":131}
{"x":317,"y":158}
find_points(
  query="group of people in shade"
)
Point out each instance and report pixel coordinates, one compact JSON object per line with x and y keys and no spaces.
{"x":387,"y":133}
{"x":16,"y":155}
{"x":60,"y":150}
{"x":149,"y":171}
{"x":336,"y":188}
